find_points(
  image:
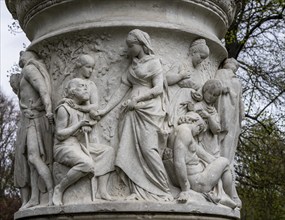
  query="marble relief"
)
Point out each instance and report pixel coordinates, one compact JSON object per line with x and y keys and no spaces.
{"x":125,"y":115}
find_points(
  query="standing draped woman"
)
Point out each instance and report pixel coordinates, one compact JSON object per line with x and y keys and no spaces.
{"x":142,"y":117}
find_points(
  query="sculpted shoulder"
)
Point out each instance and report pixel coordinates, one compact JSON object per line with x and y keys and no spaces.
{"x":154,"y":64}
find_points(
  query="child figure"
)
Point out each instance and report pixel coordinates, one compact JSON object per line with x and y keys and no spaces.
{"x":211,"y":91}
{"x":84,"y":66}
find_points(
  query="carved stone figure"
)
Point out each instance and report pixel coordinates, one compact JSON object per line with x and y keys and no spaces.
{"x":230,"y":108}
{"x":195,"y":168}
{"x":72,"y":147}
{"x":198,"y":52}
{"x":231,"y":111}
{"x":211,"y":91}
{"x":84,"y":68}
{"x":142,"y":118}
{"x":142,"y":99}
{"x":33,"y":156}
{"x":182,"y":83}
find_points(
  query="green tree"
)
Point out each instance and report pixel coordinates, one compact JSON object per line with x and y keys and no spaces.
{"x":257,"y":40}
{"x":261,"y":172}
{"x":9,"y":196}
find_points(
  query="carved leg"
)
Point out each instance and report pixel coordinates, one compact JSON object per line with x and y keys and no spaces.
{"x":25,"y":193}
{"x":71,"y":177}
{"x":235,"y":194}
{"x":102,"y":188}
{"x":227,"y":201}
{"x":37,"y":163}
{"x":236,"y":198}
{"x":57,"y":195}
{"x":180,"y":167}
{"x":34,"y":200}
{"x":228,"y":186}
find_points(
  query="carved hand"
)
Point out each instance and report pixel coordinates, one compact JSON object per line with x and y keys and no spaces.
{"x":187,"y":106}
{"x":83,"y":123}
{"x":203,"y":113}
{"x":225,"y":90}
{"x":71,"y":103}
{"x":50,"y":117}
{"x":132,"y":103}
{"x":86,"y":129}
{"x":196,"y":96}
{"x":97,"y":114}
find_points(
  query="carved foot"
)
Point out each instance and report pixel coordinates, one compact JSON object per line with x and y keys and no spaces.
{"x":132,"y":197}
{"x":104,"y":195}
{"x":237,"y":201}
{"x":57,"y":196}
{"x":225,"y":200}
{"x":183,"y":197}
{"x":31,"y":203}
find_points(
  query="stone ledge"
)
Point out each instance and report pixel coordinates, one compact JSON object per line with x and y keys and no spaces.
{"x":24,"y":10}
{"x":41,"y":17}
{"x":121,"y":210}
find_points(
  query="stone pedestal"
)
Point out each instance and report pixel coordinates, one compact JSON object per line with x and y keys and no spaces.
{"x":126,"y":210}
{"x":61,"y":30}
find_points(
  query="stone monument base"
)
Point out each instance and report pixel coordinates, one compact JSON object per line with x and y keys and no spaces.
{"x":121,"y":210}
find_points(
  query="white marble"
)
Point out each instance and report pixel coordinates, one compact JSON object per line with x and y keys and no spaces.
{"x":135,"y":102}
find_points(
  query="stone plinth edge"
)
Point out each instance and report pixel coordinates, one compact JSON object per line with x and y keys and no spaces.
{"x":121,"y":210}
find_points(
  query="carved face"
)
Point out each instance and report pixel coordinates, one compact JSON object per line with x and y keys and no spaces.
{"x":211,"y":96}
{"x":80,"y":91}
{"x":87,"y":65}
{"x":86,"y":70}
{"x":198,"y":128}
{"x":134,"y":49}
{"x":199,"y":54}
{"x":231,"y":65}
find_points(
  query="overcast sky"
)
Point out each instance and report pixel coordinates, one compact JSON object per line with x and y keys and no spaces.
{"x":11,"y":45}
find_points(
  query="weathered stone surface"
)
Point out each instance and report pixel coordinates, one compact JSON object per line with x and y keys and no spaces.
{"x":127,"y":210}
{"x":131,"y":85}
{"x":51,"y":17}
